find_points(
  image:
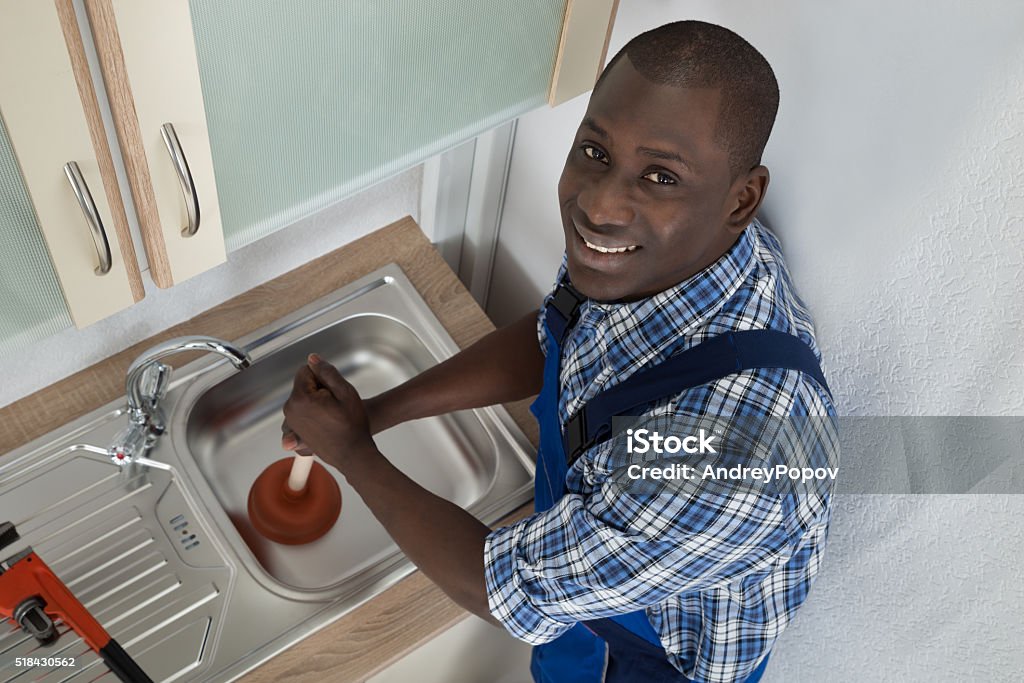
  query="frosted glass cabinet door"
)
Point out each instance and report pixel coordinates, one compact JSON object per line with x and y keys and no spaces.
{"x":148,"y":59}
{"x":310,"y":101}
{"x":31,"y":305}
{"x":51,"y":119}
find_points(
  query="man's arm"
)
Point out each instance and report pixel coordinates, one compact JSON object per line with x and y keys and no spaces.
{"x":442,"y":539}
{"x":506,"y":365}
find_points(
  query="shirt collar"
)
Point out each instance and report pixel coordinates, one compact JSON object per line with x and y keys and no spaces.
{"x":637,"y":333}
{"x":694,"y":299}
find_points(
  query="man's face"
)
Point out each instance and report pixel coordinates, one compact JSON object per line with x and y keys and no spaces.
{"x":645,"y":190}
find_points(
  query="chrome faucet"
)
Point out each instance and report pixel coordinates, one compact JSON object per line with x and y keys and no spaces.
{"x":146,"y":385}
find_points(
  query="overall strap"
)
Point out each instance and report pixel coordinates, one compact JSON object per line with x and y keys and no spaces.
{"x":718,"y":357}
{"x":562,"y":310}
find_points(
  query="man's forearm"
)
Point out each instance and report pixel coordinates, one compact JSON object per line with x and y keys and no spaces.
{"x":506,"y":365}
{"x":444,"y":541}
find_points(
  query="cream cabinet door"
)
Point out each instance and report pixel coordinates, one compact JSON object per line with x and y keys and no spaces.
{"x":52,"y":121}
{"x":148,"y":58}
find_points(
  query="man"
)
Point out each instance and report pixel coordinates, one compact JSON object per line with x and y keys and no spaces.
{"x":665,"y":266}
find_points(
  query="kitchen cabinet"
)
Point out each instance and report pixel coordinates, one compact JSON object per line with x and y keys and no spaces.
{"x":148,"y":60}
{"x":52,"y":138}
{"x":236,"y":118}
{"x":308,"y":102}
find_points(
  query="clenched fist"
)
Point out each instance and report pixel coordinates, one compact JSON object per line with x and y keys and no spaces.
{"x":325,"y":415}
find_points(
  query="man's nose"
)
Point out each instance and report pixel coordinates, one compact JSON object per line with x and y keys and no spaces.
{"x":606,"y":201}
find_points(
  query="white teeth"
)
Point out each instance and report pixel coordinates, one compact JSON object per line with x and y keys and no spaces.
{"x":610,"y":250}
{"x":603,"y":250}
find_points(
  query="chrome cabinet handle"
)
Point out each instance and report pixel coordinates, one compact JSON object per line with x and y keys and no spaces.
{"x":92,"y":216}
{"x":188,"y":187}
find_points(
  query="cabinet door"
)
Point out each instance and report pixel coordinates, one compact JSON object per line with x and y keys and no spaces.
{"x":309,"y":101}
{"x":148,"y":59}
{"x":51,"y":118}
{"x":31,"y":305}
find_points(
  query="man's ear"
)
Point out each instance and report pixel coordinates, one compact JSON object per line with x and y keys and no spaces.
{"x":745,"y":198}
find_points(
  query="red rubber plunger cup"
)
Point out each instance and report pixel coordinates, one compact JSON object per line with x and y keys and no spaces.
{"x":294,"y":501}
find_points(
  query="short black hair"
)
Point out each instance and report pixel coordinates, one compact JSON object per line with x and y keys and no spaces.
{"x":695,"y":54}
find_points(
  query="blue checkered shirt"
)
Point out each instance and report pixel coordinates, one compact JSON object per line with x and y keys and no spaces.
{"x":720,"y":578}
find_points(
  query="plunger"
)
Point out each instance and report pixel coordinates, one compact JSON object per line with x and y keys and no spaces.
{"x":294,"y":501}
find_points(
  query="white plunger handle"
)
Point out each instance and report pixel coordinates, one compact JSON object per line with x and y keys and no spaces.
{"x":300,"y":472}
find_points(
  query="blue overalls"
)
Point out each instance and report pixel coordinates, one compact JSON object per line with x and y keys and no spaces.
{"x":634,"y":651}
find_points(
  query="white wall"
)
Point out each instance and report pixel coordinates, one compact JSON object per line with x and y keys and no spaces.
{"x":897,"y":163}
{"x":63,"y":354}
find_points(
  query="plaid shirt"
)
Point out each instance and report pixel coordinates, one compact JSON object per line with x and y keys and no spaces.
{"x":719,"y":578}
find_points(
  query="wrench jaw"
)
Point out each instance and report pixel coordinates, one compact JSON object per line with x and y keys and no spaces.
{"x":30,"y":613}
{"x":31,"y":616}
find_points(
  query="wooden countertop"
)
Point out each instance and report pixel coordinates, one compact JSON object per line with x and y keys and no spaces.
{"x":406,"y":615}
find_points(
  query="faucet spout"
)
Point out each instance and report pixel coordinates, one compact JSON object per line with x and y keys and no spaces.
{"x":138,"y":369}
{"x":146,"y":384}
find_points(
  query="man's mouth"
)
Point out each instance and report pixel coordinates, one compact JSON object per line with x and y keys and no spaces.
{"x":609,"y":250}
{"x":604,"y":248}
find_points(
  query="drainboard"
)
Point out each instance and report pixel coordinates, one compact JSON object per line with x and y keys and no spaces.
{"x":131,"y":549}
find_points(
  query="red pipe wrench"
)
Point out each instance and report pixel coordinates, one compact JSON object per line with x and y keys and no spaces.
{"x":32,"y":596}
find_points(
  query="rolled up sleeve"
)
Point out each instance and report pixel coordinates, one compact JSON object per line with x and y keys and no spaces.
{"x":612,"y":553}
{"x":512,"y":588}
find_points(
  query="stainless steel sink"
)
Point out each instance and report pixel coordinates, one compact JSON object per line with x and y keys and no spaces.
{"x":260,"y":597}
{"x":233,"y":431}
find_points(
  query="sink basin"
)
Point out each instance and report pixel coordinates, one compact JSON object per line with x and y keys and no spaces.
{"x":233,"y":431}
{"x":191,"y":590}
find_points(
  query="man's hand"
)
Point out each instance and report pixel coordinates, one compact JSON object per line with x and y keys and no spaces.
{"x":328,"y":414}
{"x":324,"y":415}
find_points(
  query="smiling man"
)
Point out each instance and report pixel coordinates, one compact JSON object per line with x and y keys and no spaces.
{"x":675,"y":296}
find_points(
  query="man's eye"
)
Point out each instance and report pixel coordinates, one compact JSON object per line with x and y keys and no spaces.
{"x":594,"y":153}
{"x":660,"y":178}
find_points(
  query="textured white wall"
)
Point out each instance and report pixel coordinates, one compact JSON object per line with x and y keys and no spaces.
{"x":63,"y":354}
{"x":896,"y":165}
